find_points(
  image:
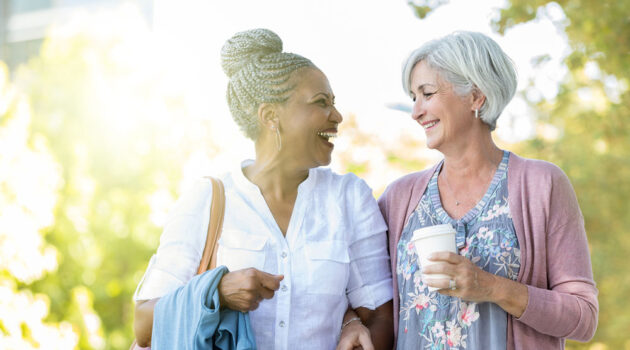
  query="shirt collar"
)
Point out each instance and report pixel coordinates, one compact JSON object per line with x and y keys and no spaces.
{"x":243,"y":184}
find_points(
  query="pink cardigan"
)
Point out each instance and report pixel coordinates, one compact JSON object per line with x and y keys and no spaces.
{"x":555,"y":261}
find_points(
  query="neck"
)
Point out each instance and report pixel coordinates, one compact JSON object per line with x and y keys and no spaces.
{"x":275,"y":175}
{"x":473,"y":159}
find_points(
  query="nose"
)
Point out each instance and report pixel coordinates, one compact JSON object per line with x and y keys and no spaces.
{"x":336,"y":116}
{"x":417,"y":110}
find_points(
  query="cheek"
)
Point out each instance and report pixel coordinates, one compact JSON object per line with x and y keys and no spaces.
{"x":453,"y":111}
{"x":435,"y":109}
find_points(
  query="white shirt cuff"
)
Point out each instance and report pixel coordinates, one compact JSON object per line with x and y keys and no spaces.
{"x":156,"y":283}
{"x":371,"y":296}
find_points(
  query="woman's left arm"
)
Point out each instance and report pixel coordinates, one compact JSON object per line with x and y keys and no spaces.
{"x":380,"y":322}
{"x":354,"y":334}
{"x":367,"y":329}
{"x":567,"y":306}
{"x":369,"y":288}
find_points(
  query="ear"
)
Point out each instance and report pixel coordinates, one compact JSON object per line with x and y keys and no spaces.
{"x":478,"y":98}
{"x":268,"y":116}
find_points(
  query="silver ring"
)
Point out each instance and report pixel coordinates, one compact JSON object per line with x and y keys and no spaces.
{"x":452,"y":285}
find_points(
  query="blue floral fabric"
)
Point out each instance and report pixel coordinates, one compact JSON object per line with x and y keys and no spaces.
{"x":486,"y":236}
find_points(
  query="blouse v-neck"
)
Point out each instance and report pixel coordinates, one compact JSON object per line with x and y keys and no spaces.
{"x":256,"y":197}
{"x":460,"y":224}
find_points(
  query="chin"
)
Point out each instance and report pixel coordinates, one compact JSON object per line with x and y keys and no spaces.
{"x":431,"y":145}
{"x":324,"y":161}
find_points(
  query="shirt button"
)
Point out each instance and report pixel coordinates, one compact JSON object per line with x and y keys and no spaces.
{"x":283,"y":255}
{"x":281,"y":323}
{"x":284,"y":288}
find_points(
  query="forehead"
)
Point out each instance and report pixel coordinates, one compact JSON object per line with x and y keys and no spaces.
{"x":310,"y":81}
{"x":421,"y":74}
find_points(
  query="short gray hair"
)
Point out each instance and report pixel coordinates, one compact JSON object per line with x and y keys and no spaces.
{"x":469,"y":60}
{"x":258,"y":72}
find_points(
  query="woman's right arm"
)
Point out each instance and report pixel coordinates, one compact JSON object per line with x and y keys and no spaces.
{"x":143,"y":321}
{"x":177,"y":257}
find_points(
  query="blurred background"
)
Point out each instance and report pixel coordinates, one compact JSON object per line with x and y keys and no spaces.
{"x":110,"y":109}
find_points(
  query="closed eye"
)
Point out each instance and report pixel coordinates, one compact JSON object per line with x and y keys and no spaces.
{"x":322,"y":102}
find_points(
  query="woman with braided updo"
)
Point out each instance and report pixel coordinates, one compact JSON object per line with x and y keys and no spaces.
{"x":305,"y":247}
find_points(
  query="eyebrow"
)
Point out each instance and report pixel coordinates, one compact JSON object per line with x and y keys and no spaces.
{"x":425,"y":84}
{"x":330,"y":97}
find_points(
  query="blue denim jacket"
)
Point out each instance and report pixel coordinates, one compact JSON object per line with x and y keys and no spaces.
{"x":190,"y":318}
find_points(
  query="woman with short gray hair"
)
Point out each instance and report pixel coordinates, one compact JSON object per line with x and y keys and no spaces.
{"x":305,"y":247}
{"x":520,"y":276}
{"x":469,"y":61}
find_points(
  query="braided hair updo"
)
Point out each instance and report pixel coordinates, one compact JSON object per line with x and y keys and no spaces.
{"x":258,"y":72}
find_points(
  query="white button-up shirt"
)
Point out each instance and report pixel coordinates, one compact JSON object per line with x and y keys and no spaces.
{"x":334,"y":252}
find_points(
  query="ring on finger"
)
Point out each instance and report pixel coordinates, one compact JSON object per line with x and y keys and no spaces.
{"x":452,"y":284}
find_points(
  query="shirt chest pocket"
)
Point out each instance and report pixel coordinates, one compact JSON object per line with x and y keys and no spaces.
{"x":239,"y":250}
{"x":328,"y":267}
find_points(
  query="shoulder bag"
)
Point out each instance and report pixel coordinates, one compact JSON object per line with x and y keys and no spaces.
{"x":209,"y":257}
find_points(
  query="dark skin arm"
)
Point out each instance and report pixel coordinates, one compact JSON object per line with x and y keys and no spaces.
{"x":241,"y":290}
{"x":355,"y":335}
{"x":380,"y":323}
{"x":143,"y":321}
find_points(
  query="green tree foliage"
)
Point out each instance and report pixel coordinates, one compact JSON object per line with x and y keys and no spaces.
{"x":591,"y":114}
{"x":29,"y":183}
{"x":585,"y":130}
{"x":121,"y":135}
{"x":99,"y":135}
{"x":598,"y":31}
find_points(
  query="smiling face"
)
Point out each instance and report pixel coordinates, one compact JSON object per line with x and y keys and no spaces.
{"x":309,"y":119}
{"x":445,"y":116}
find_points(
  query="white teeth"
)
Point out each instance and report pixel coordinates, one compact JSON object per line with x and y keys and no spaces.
{"x":327,"y":134}
{"x":426,"y":126}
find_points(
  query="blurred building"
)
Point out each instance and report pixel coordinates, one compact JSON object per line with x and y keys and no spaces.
{"x":23,"y":23}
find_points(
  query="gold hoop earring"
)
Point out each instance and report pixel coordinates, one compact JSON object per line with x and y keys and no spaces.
{"x":278,"y":138}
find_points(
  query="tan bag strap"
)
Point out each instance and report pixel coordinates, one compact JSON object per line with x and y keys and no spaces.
{"x":209,"y":257}
{"x":217,"y":211}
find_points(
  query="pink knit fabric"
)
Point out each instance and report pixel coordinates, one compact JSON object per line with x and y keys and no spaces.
{"x":555,"y":261}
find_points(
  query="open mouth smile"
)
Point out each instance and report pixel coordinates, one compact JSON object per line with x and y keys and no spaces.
{"x":327,"y":136}
{"x":429,"y":124}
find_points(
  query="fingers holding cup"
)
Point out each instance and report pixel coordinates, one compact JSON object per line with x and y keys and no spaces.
{"x":429,"y":240}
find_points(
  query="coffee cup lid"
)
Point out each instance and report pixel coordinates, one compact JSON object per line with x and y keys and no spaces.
{"x":432,"y":231}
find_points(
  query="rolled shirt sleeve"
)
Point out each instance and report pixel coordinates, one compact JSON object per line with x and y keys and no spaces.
{"x":181,"y":244}
{"x":370,"y":281}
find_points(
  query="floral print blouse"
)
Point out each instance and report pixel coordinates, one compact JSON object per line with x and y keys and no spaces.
{"x":486,"y":236}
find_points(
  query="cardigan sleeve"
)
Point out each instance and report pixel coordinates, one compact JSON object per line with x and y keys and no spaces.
{"x":568,"y":308}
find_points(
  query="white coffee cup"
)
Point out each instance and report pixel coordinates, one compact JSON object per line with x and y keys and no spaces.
{"x":431,"y":239}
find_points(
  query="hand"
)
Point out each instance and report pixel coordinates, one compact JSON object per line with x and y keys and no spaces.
{"x":243,"y":290}
{"x":355,"y":336}
{"x":472,"y":283}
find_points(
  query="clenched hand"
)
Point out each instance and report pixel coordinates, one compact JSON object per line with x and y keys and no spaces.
{"x":243,"y":290}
